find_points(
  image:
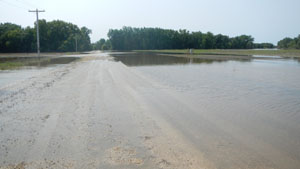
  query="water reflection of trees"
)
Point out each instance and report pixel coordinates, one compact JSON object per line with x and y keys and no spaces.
{"x":144,"y":59}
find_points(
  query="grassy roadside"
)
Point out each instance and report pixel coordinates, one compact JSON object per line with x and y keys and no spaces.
{"x":290,"y":53}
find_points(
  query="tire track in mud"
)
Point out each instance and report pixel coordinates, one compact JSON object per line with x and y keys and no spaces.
{"x":18,"y":127}
{"x":18,"y":93}
{"x":122,"y":149}
{"x":168,"y":147}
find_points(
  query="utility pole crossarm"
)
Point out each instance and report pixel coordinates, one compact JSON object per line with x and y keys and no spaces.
{"x":37,"y":29}
{"x":36,"y":10}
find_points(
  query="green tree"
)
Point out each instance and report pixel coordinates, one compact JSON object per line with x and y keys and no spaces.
{"x":129,"y":38}
{"x":106,"y":45}
{"x":55,"y":36}
{"x":98,"y":45}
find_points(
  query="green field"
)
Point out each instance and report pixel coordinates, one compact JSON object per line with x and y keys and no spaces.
{"x":284,"y":53}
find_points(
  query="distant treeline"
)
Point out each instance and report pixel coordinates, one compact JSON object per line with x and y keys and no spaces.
{"x":129,"y":38}
{"x":289,"y":43}
{"x":55,"y":36}
{"x":60,"y":36}
{"x":263,"y":45}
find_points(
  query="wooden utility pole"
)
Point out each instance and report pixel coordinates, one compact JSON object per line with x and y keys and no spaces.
{"x":37,"y":29}
{"x":76,"y":42}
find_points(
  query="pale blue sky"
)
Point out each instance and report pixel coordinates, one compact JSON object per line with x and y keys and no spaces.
{"x":265,"y":20}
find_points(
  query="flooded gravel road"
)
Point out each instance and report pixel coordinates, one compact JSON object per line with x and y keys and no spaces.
{"x":99,"y":113}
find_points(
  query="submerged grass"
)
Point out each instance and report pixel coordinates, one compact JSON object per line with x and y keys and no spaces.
{"x":18,"y":60}
{"x":14,"y":63}
{"x":283,"y":53}
{"x":10,"y":65}
{"x":7,"y":63}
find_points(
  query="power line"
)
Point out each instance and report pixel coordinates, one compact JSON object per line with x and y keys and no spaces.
{"x":26,"y":3}
{"x":11,"y":4}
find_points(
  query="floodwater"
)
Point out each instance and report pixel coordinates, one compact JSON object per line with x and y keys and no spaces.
{"x":39,"y":61}
{"x":247,"y":113}
{"x":33,"y":66}
{"x":150,"y":111}
{"x":150,"y":59}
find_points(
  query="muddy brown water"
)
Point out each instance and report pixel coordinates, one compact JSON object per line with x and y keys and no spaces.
{"x":246,"y":112}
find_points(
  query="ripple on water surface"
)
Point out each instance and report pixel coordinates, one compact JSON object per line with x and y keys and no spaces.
{"x":253,"y":107}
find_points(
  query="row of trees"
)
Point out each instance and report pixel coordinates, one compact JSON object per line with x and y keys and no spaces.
{"x":102,"y":44}
{"x":129,"y":38}
{"x":55,"y":36}
{"x":60,"y":36}
{"x":289,"y":43}
{"x":263,"y":45}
